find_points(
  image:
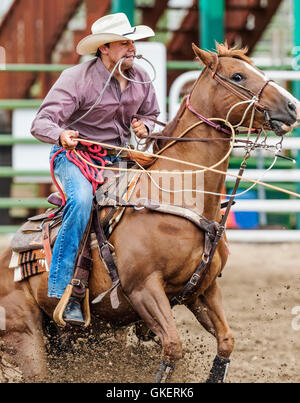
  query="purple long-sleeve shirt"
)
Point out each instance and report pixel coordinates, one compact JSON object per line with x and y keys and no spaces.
{"x":76,"y":91}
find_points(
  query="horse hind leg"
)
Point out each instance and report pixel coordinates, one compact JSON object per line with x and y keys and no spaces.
{"x":209,"y":312}
{"x":153,"y":306}
{"x":22,"y":341}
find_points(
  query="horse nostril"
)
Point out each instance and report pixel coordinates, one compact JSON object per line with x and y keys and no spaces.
{"x":292,"y":106}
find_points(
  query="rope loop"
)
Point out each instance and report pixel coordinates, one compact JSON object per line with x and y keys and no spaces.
{"x":84,"y":159}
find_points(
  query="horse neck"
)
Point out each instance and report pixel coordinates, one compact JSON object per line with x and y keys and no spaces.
{"x":206,"y":154}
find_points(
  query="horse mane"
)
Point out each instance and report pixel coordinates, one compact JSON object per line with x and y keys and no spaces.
{"x":223,"y":50}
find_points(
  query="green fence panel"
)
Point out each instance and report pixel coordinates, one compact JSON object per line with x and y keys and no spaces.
{"x":9,"y":140}
{"x":35,"y":68}
{"x":11,"y":104}
{"x":10,"y":202}
{"x":8,"y":229}
{"x":9,"y":172}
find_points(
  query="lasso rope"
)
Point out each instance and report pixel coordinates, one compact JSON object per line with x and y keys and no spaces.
{"x":191,"y":164}
{"x":118,"y":66}
{"x":206,"y":191}
{"x":94,"y":172}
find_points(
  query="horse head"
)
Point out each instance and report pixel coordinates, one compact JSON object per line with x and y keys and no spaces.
{"x":234,"y":84}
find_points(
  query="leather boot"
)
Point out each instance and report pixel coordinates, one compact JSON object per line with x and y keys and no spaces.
{"x":73,"y":313}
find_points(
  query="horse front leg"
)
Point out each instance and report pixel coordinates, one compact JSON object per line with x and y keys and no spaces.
{"x":209,"y":312}
{"x":153,"y":306}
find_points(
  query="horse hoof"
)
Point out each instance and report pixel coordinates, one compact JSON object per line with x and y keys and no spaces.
{"x":164,"y":372}
{"x":219,"y":370}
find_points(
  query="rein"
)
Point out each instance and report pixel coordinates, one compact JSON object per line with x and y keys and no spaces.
{"x":212,"y":124}
{"x":204,"y":120}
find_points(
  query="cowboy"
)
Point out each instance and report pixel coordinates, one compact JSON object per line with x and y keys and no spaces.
{"x":70,"y":110}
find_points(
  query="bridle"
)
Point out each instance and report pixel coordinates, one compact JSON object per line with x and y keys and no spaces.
{"x":240,"y":91}
{"x":243,"y":93}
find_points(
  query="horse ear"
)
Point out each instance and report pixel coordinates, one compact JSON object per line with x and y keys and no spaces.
{"x":206,"y":58}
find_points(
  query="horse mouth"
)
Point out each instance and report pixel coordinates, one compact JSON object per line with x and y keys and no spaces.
{"x":281,"y":128}
{"x":278,"y":127}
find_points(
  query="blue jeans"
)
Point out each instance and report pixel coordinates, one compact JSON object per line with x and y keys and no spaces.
{"x":76,"y":215}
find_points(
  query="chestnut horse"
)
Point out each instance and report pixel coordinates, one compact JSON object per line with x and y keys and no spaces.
{"x":157,"y":253}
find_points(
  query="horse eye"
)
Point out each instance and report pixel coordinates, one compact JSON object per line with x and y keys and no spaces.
{"x":237,"y":77}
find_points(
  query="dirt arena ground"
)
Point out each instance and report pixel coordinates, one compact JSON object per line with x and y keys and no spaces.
{"x":261,"y":287}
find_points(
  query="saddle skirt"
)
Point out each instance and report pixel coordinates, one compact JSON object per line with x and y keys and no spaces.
{"x":29,"y":255}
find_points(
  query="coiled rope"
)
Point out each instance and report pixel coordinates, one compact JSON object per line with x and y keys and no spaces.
{"x":83,"y":159}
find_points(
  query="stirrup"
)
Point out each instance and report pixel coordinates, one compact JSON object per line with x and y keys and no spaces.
{"x":61,"y":306}
{"x":73,"y":312}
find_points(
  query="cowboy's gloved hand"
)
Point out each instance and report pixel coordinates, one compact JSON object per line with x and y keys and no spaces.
{"x":139,"y":129}
{"x":68,"y":139}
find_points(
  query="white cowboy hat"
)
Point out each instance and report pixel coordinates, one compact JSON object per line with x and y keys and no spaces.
{"x":111,"y":28}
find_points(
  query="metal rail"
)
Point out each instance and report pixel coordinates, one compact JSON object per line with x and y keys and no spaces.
{"x":57,"y":68}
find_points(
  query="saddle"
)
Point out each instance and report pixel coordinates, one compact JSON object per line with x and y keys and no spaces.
{"x":39,"y":232}
{"x":115,"y":192}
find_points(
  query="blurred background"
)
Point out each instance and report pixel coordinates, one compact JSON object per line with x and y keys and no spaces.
{"x":38,"y":40}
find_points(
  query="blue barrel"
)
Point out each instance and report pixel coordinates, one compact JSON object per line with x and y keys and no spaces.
{"x":246,"y":219}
